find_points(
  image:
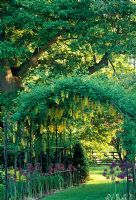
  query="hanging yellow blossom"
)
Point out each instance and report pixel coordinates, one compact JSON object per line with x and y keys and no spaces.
{"x":51,"y":128}
{"x":77,"y":114}
{"x":63,"y":96}
{"x":41,"y":128}
{"x":76,"y":98}
{"x":85,"y":117}
{"x":14,"y":139}
{"x":61,"y":128}
{"x":67,"y":95}
{"x":51,"y":113}
{"x":82,"y":104}
{"x":57,"y":100}
{"x":70,"y":112}
{"x":99,"y":108}
{"x":86,"y":101}
{"x":36,"y":110}
{"x":59,"y":113}
{"x":23,"y":142}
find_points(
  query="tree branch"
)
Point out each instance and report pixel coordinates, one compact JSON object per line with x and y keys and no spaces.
{"x":113,"y":67}
{"x":102,"y":63}
{"x":32,"y":61}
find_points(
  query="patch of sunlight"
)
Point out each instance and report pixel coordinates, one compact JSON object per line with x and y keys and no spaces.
{"x":97,"y":179}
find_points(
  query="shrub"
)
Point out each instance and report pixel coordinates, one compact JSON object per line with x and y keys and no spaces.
{"x":80,"y":161}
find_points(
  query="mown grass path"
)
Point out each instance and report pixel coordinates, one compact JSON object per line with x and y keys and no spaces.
{"x":96,"y":188}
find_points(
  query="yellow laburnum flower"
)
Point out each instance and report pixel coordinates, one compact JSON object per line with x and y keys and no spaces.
{"x":51,"y":128}
{"x":59,"y":113}
{"x":23,"y":142}
{"x":61,"y":128}
{"x":41,"y":128}
{"x":49,"y":112}
{"x":62,"y":94}
{"x":67,"y":95}
{"x":85,"y":117}
{"x":57,"y":100}
{"x":14,"y":139}
{"x":82,"y":104}
{"x":91,"y":114}
{"x":33,"y":137}
{"x":70,"y":112}
{"x":99,"y":108}
{"x":65,"y":123}
{"x":76,"y":98}
{"x":77,"y":115}
{"x":86,"y":101}
{"x":36,"y":110}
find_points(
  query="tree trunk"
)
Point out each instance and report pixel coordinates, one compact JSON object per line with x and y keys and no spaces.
{"x":8,"y":83}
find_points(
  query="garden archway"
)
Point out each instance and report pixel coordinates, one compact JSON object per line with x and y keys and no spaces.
{"x":39,"y":102}
{"x":35,"y":106}
{"x":95,"y":89}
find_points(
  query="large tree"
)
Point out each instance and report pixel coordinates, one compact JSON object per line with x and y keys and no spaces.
{"x":29,"y":28}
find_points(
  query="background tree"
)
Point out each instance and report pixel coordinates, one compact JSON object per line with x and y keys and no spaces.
{"x":31,"y":28}
{"x":80,"y":161}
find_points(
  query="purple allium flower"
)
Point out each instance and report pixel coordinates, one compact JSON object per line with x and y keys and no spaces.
{"x":113,"y":164}
{"x":121,"y":176}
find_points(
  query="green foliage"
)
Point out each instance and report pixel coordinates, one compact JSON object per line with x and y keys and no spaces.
{"x":2,"y":192}
{"x":79,"y":27}
{"x":129,"y":137}
{"x":80,"y":161}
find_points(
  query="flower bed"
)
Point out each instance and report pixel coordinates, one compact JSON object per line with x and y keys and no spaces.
{"x":32,"y":183}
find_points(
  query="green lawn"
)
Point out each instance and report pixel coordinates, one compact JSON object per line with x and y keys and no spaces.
{"x":96,"y":188}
